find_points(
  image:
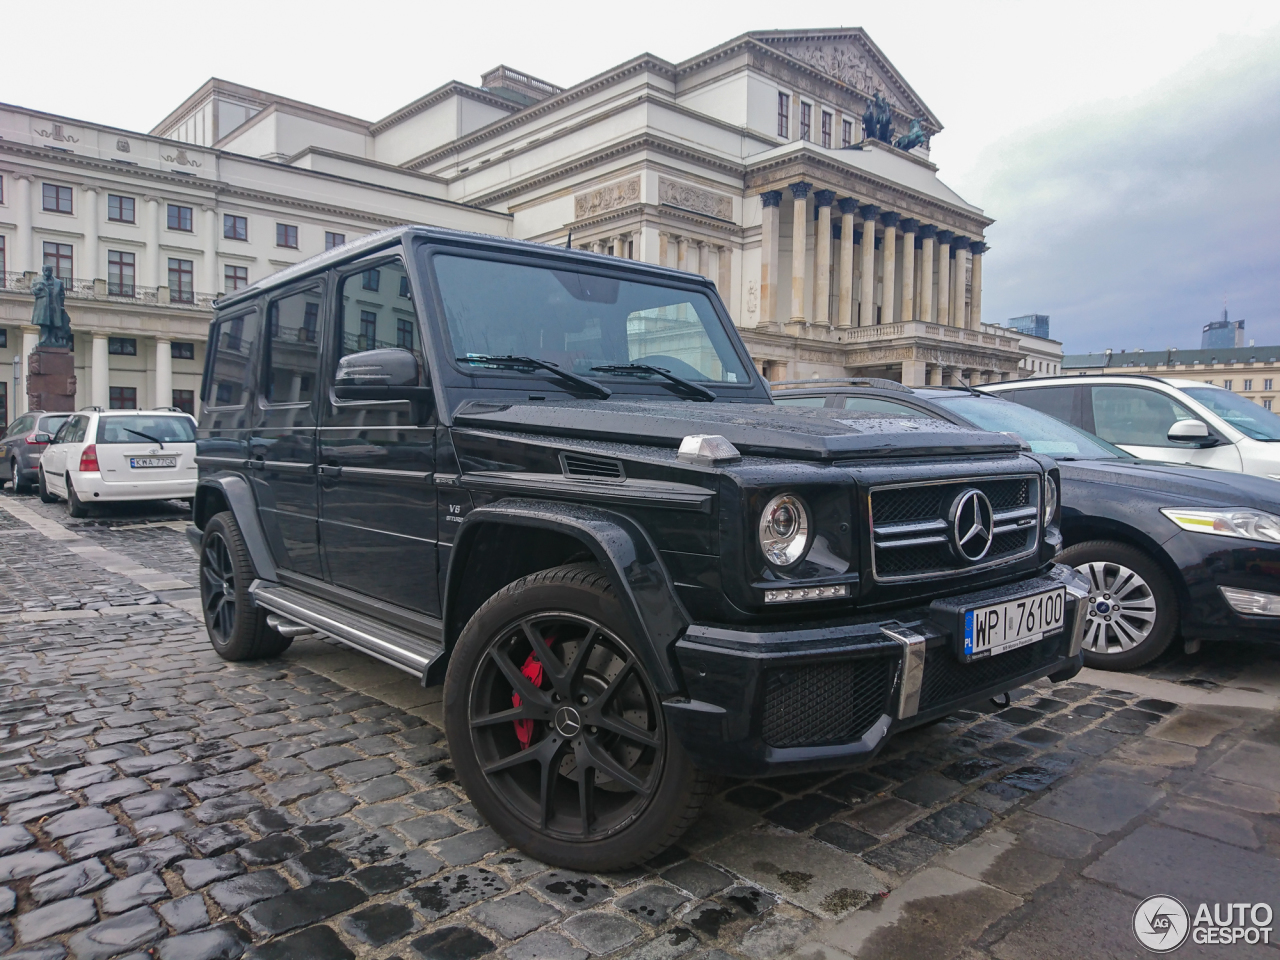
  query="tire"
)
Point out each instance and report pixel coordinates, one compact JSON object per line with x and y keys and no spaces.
{"x":1148,"y":605}
{"x":588,"y":797}
{"x":45,"y":495}
{"x":237,"y":627}
{"x":19,"y":485}
{"x":75,"y":506}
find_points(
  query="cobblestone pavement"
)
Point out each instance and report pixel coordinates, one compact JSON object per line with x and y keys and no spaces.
{"x":159,"y":802}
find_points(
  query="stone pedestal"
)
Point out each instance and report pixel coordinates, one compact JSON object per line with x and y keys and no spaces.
{"x":51,"y":380}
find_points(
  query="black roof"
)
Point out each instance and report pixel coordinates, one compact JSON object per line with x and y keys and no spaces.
{"x":373,"y":242}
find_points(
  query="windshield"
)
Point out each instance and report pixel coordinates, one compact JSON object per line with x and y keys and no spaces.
{"x":1044,"y":433}
{"x":1249,"y":418}
{"x":579,"y":320}
{"x":166,"y":429}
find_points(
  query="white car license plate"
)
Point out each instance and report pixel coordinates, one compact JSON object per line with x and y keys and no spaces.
{"x":136,"y":462}
{"x":1015,"y":623}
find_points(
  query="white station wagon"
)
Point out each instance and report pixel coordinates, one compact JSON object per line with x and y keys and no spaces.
{"x":111,"y":455}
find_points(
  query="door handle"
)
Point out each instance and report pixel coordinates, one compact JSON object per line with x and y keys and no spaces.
{"x":259,"y":463}
{"x":330,"y":470}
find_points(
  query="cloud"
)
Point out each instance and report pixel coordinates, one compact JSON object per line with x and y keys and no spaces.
{"x":1130,"y":221}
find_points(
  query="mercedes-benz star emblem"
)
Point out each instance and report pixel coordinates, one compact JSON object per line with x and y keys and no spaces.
{"x":972,"y":525}
{"x":568,"y":723}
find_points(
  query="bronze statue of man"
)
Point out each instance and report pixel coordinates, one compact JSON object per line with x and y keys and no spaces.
{"x":49,"y":312}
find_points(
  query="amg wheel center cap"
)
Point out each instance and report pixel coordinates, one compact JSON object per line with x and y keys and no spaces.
{"x":568,"y":722}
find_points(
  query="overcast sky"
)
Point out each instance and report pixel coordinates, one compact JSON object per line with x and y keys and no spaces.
{"x":1127,"y":150}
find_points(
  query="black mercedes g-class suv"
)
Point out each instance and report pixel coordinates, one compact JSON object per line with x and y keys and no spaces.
{"x":554,"y":481}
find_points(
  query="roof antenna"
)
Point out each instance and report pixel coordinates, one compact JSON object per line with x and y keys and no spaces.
{"x":568,"y":244}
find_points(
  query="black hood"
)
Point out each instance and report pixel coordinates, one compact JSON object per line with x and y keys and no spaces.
{"x":759,"y":429}
{"x":1182,"y":484}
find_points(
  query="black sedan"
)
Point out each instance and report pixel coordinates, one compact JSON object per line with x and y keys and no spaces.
{"x":1169,"y":548}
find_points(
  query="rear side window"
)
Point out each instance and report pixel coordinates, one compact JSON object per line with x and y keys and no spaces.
{"x":1065,"y":403}
{"x":50,"y":425}
{"x":884,"y":407}
{"x":146,"y":427}
{"x":292,"y":356}
{"x":232,"y":341}
{"x":20,"y":426}
{"x":800,"y":401}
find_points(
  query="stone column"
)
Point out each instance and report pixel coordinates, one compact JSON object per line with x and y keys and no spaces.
{"x":959,"y":247}
{"x":682,"y":255}
{"x":976,"y":249}
{"x":927,"y":233}
{"x":867,"y":306}
{"x":704,"y":259}
{"x":30,"y":337}
{"x":848,"y":207}
{"x":210,"y":280}
{"x":89,"y":267}
{"x":650,"y":247}
{"x":769,"y":255}
{"x":163,"y":394}
{"x":722,"y":272}
{"x":822,"y":258}
{"x":944,"y":276}
{"x":99,"y":373}
{"x":799,"y":259}
{"x":889,"y":264}
{"x":915,"y":373}
{"x":619,"y":242}
{"x":908,"y":268}
{"x":151,"y":276}
{"x":915,"y":310}
{"x":23,"y":258}
{"x":597,"y":246}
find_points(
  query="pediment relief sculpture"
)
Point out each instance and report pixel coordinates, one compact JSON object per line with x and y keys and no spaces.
{"x":847,"y":64}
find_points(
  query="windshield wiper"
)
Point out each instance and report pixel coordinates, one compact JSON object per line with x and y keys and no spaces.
{"x":145,"y":436}
{"x":699,"y":393}
{"x":533,"y":363}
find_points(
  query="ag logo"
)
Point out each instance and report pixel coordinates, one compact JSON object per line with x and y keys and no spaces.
{"x":1161,"y":924}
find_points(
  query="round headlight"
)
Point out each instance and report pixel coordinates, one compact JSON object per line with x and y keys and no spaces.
{"x":1050,"y":500}
{"x":784,"y":530}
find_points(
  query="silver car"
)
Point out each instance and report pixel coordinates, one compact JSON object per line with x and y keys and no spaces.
{"x":22,"y":445}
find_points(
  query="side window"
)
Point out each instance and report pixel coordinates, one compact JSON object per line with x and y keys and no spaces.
{"x":80,"y":427}
{"x":800,"y":401}
{"x":375,"y":313}
{"x":884,"y":407}
{"x":1065,"y":403}
{"x":232,"y":341}
{"x":292,"y":351}
{"x":66,"y":432}
{"x":1136,"y":415}
{"x":20,"y":426}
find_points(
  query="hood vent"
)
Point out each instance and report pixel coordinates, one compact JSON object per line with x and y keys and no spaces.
{"x":583,"y":467}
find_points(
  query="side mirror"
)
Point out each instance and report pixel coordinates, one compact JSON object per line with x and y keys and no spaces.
{"x":42,"y":438}
{"x":385,"y":374}
{"x":1194,"y":432}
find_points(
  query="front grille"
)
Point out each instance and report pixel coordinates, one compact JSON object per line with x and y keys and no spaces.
{"x":911,"y":536}
{"x":947,"y":679}
{"x":826,"y":703}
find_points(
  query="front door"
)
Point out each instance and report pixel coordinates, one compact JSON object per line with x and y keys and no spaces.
{"x":378,"y":527}
{"x":1138,"y":420}
{"x":282,"y":453}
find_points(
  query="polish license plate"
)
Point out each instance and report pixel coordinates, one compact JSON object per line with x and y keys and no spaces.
{"x":138,"y":462}
{"x":1012,"y":624}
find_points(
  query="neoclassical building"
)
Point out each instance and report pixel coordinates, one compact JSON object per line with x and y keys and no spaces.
{"x":790,"y":167}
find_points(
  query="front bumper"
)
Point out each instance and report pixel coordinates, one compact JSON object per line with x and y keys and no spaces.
{"x":770,"y":702}
{"x":1209,"y":562}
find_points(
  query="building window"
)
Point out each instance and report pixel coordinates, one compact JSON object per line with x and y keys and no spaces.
{"x":179,"y":218}
{"x":57,"y":199}
{"x":120,"y":209}
{"x":1248,"y":385}
{"x":122,"y":346}
{"x":182,"y":351}
{"x":404,"y":333}
{"x":332,"y":239}
{"x":287,"y":236}
{"x":58,"y":256}
{"x":185,"y":400}
{"x":784,"y":115}
{"x":310,"y":322}
{"x":827,"y":120}
{"x":404,"y":287}
{"x":806,"y":121}
{"x":234,"y":278}
{"x":120,"y":273}
{"x":2,"y":263}
{"x":846,"y":133}
{"x":368,"y":329}
{"x":1227,"y":384}
{"x":181,"y":277}
{"x":235,"y":228}
{"x":124,"y":398}
{"x":4,"y":337}
{"x":370,"y":280}
{"x":1266,"y":384}
{"x":1266,"y":404}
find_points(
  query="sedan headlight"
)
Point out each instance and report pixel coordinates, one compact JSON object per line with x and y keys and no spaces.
{"x":1239,"y":522}
{"x":784,"y":530}
{"x":1050,"y":500}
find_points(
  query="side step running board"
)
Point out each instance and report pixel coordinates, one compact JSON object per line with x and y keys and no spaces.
{"x":306,"y":614}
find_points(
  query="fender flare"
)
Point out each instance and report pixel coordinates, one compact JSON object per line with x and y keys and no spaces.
{"x":621,"y":546}
{"x":234,"y":489}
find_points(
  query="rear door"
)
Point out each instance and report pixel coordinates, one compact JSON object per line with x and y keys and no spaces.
{"x":378,"y":526}
{"x":283,"y":446}
{"x":145,"y":447}
{"x":1138,"y":419}
{"x":66,"y":444}
{"x":12,"y":440}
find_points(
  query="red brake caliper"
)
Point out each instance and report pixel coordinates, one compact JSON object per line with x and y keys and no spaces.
{"x":532,"y":670}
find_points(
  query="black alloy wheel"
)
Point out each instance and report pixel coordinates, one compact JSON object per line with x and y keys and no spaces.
{"x":237,"y":626}
{"x":45,"y":495}
{"x":557,"y":731}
